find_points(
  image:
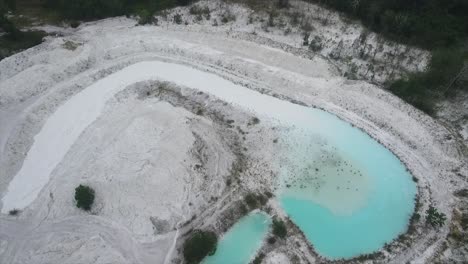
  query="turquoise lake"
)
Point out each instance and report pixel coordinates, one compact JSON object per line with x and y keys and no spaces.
{"x":240,"y":244}
{"x":345,"y":191}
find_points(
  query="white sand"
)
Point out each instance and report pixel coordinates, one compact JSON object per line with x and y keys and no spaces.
{"x":62,"y":125}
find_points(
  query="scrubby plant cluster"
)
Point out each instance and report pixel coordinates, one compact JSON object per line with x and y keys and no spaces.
{"x":279,"y":228}
{"x":14,"y":212}
{"x":254,"y":201}
{"x":199,"y":245}
{"x":84,"y":197}
{"x":434,"y":217}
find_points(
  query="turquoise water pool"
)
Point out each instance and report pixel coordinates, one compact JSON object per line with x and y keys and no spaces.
{"x":345,"y":191}
{"x":240,"y":244}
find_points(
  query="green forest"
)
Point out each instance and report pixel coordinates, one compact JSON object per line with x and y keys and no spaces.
{"x":425,"y":23}
{"x":91,"y":9}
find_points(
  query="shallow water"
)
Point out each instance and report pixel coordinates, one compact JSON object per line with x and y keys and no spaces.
{"x":347,"y":193}
{"x":240,"y":244}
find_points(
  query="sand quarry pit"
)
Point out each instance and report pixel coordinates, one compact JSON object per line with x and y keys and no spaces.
{"x":172,"y":127}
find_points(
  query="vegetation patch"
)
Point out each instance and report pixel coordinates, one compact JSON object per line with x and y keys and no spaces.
{"x":178,"y":19}
{"x":434,"y":217}
{"x":253,"y":121}
{"x":279,"y":228}
{"x":440,"y":80}
{"x":12,"y":43}
{"x":254,"y":201}
{"x":200,"y":12}
{"x":84,"y":197}
{"x":199,"y":245}
{"x":14,"y":212}
{"x":227,"y":17}
{"x":258,"y":259}
{"x":428,"y":24}
{"x":95,"y":9}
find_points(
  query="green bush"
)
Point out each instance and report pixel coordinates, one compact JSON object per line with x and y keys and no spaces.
{"x":434,"y":217}
{"x":199,"y":245}
{"x":258,"y":259}
{"x":251,"y":200}
{"x":145,"y":17}
{"x":178,"y":19}
{"x":197,"y":10}
{"x":271,"y":240}
{"x":316,"y":44}
{"x":84,"y":197}
{"x":255,"y":200}
{"x":14,"y":212}
{"x":279,"y":228}
{"x":74,"y":24}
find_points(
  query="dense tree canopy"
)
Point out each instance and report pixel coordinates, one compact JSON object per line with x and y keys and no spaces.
{"x":279,"y":228}
{"x":89,"y":9}
{"x":5,"y":24}
{"x":199,"y":245}
{"x":84,"y":197}
{"x":426,"y":23}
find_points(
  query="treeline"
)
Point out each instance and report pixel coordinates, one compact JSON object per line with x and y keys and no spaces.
{"x":5,"y":23}
{"x":441,"y":80}
{"x":438,"y":25}
{"x":424,"y":23}
{"x":92,"y":9}
{"x":12,"y":39}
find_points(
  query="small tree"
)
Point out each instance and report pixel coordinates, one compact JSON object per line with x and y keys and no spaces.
{"x":279,"y":228}
{"x":251,"y":200}
{"x":305,"y":41}
{"x":14,"y":212}
{"x":200,"y":245}
{"x":84,"y":196}
{"x":178,"y":19}
{"x":434,"y":217}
